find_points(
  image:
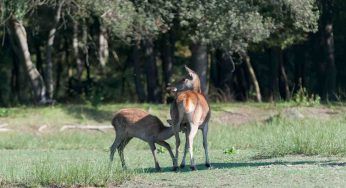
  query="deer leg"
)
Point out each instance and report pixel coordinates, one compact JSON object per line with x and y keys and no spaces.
{"x":153,"y":151}
{"x":177,"y":144}
{"x":182,"y":165}
{"x":205,"y":144}
{"x":192,"y":134}
{"x":121,"y":151}
{"x":177,"y":118}
{"x":168,"y":147}
{"x":115,"y":145}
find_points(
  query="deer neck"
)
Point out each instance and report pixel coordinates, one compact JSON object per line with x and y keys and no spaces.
{"x":197,"y":89}
{"x":166,"y":133}
{"x":197,"y":85}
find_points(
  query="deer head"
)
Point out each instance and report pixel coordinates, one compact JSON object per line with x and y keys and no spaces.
{"x":189,"y":82}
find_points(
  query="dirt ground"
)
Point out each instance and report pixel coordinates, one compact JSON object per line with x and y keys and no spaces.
{"x":247,"y":114}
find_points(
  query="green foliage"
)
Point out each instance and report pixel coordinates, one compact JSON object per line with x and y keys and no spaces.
{"x":161,"y":150}
{"x":96,"y":96}
{"x":233,"y":25}
{"x":4,"y":112}
{"x":230,"y":151}
{"x":228,"y":24}
{"x":129,"y":20}
{"x":117,"y":16}
{"x":19,"y":8}
{"x":292,"y":20}
{"x":303,"y":97}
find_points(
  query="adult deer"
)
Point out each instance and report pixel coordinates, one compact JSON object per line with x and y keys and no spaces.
{"x":190,"y":108}
{"x":130,"y":123}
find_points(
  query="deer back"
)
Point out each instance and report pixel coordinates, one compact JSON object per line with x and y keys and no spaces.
{"x":136,"y":120}
{"x":194,"y":105}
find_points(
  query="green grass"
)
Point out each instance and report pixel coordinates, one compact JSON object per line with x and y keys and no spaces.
{"x":80,"y":158}
{"x":65,"y":168}
{"x":277,"y":138}
{"x":284,"y":137}
{"x":60,"y":168}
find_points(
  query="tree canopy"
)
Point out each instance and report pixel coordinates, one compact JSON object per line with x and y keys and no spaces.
{"x":155,"y":38}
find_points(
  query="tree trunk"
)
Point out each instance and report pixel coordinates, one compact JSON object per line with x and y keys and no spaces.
{"x":103,"y":46}
{"x":167,"y":56}
{"x":253,"y":78}
{"x":274,"y":70}
{"x":18,"y":31}
{"x":199,"y":59}
{"x":75,"y":44}
{"x":224,"y":69}
{"x":327,"y":68}
{"x":283,"y":80}
{"x":59,"y":69}
{"x":299,"y":66}
{"x":241,"y":84}
{"x":137,"y":70}
{"x":85,"y":50}
{"x":214,"y":68}
{"x":39,"y":60}
{"x":153,"y":89}
{"x":50,"y":43}
{"x":15,"y":81}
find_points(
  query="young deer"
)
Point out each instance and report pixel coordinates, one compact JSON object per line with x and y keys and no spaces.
{"x":130,"y":123}
{"x":192,"y":109}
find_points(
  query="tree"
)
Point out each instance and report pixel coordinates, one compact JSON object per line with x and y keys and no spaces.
{"x":199,"y":60}
{"x":292,"y":22}
{"x":131,"y":21}
{"x":50,"y":43}
{"x":227,"y":25}
{"x":14,"y":14}
{"x":272,"y":43}
{"x":327,"y":64}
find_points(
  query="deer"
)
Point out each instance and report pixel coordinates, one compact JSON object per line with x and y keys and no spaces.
{"x":189,"y":109}
{"x":131,"y":123}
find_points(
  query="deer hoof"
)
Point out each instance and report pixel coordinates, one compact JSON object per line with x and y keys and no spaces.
{"x":193,"y":168}
{"x":207,"y":165}
{"x":182,"y":166}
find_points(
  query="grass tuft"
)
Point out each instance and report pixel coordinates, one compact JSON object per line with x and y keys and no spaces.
{"x":63,"y":173}
{"x":285,"y":137}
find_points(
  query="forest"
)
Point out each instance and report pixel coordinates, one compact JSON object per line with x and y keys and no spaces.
{"x":78,"y":51}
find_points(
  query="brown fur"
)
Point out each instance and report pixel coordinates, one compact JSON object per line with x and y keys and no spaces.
{"x":131,"y":122}
{"x":194,"y":103}
{"x":190,"y":109}
{"x":136,"y":119}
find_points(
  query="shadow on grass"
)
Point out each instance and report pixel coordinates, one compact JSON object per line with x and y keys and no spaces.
{"x":334,"y":164}
{"x":83,"y":112}
{"x":239,"y":165}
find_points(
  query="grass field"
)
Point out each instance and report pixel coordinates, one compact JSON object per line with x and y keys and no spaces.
{"x":250,"y":145}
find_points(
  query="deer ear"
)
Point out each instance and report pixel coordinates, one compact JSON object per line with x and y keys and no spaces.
{"x":188,"y":69}
{"x":191,"y":72}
